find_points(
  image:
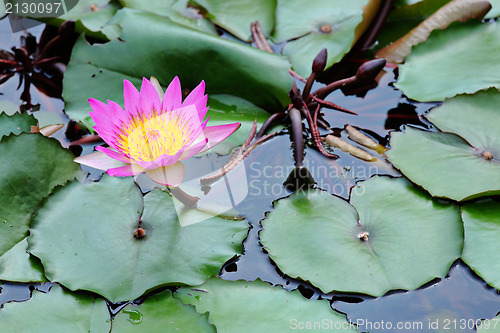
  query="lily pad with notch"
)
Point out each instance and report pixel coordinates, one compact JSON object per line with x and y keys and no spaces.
{"x":482,"y":230}
{"x":391,"y":236}
{"x":277,"y":309}
{"x":57,"y":311}
{"x":161,"y":313}
{"x":436,"y":68}
{"x":32,"y":165}
{"x":468,"y":149}
{"x":308,"y":27}
{"x":87,"y":237}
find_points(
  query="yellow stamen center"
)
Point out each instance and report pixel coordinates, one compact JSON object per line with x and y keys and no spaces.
{"x":146,"y":139}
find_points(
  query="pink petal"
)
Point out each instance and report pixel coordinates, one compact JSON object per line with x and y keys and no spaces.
{"x":113,"y":154}
{"x":193,"y":150}
{"x":131,"y":98}
{"x":215,"y":134}
{"x":171,"y":175}
{"x":117,"y":114}
{"x":125,"y":171}
{"x":173,"y":96}
{"x":188,"y":116}
{"x":198,"y":98}
{"x":100,"y":114}
{"x":99,"y":160}
{"x":149,"y":98}
{"x":202,"y":111}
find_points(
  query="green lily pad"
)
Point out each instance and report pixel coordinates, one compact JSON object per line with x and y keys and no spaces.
{"x":475,"y":118}
{"x":234,"y":306}
{"x":236,"y":16}
{"x":84,"y":236}
{"x":160,"y":313}
{"x":16,"y":124}
{"x":177,"y":11}
{"x":32,"y":165}
{"x":310,"y":26}
{"x":482,"y":229}
{"x":57,"y":311}
{"x":436,"y":160}
{"x":403,"y":239}
{"x":18,"y":265}
{"x":152,"y":45}
{"x":452,"y":61}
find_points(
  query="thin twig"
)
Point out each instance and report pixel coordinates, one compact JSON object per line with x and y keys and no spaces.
{"x":332,"y":105}
{"x":233,"y":162}
{"x":292,"y":73}
{"x":259,"y":38}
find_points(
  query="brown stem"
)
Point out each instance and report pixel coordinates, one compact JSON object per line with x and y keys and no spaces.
{"x":325,"y":91}
{"x":188,"y":200}
{"x":269,"y":122}
{"x":259,"y":38}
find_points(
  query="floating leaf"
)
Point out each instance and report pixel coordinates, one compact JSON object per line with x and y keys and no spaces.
{"x":236,"y":16}
{"x":456,"y":10}
{"x":481,"y":248}
{"x":403,"y":239}
{"x":177,"y":11}
{"x":18,"y":265}
{"x":160,"y":313}
{"x":57,"y":311}
{"x":462,"y":154}
{"x":32,"y":166}
{"x":313,"y":25}
{"x":84,"y":235}
{"x":16,"y":124}
{"x":452,"y":61}
{"x":233,"y":306}
{"x":172,"y":49}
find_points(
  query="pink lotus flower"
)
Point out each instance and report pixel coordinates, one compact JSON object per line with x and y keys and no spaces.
{"x":154,"y":131}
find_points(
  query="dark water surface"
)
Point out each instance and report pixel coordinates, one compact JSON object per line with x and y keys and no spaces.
{"x":450,"y":303}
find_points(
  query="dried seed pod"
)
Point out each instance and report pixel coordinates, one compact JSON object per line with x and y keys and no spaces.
{"x":364,"y":140}
{"x":347,"y":147}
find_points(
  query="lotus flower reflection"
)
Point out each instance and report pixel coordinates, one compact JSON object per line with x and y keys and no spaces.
{"x":154,"y":131}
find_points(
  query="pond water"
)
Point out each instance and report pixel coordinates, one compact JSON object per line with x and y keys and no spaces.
{"x":450,"y":302}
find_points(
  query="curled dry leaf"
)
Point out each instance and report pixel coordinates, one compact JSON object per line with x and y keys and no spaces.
{"x":347,"y":147}
{"x":456,"y":10}
{"x":364,"y":140}
{"x":47,"y":130}
{"x":51,"y":129}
